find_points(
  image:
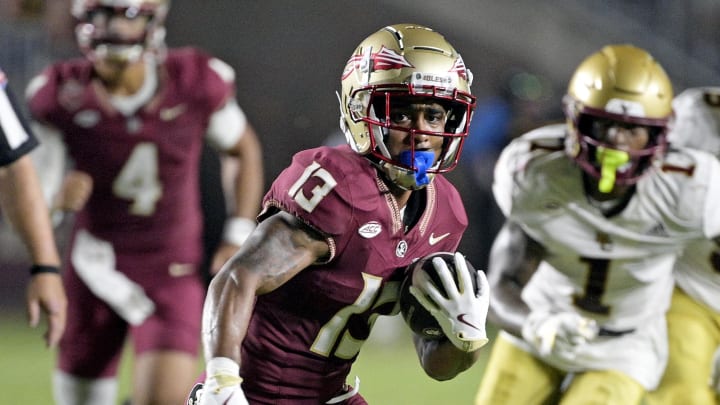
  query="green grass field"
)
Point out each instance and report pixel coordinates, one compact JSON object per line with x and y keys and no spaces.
{"x":389,"y":371}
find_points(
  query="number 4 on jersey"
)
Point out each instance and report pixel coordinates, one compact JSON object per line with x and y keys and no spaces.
{"x":138,"y":180}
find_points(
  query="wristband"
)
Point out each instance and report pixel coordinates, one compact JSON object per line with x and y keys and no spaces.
{"x":222,"y":365}
{"x":224,"y":370}
{"x":237,"y":230}
{"x":41,"y":268}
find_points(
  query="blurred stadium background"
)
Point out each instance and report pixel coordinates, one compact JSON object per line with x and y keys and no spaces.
{"x":288,"y":56}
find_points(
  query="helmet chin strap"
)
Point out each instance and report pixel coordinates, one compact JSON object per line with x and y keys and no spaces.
{"x":420,"y":160}
{"x":610,"y":160}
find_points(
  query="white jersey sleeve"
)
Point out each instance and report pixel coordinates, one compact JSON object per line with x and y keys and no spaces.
{"x":226,"y":126}
{"x":515,"y":157}
{"x":697,"y":125}
{"x":50,"y":158}
{"x":711,"y":178}
{"x":697,"y":119}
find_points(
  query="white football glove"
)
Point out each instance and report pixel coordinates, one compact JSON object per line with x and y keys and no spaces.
{"x":715,"y":373}
{"x":463,"y":314}
{"x":558,"y":334}
{"x":222,"y":383}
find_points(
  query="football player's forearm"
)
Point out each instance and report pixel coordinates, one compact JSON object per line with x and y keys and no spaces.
{"x":282,"y":249}
{"x":508,"y":312}
{"x":23,"y":203}
{"x":226,"y":316}
{"x":514,"y":259}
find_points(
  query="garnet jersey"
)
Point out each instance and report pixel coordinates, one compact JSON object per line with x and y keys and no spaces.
{"x":697,"y":125}
{"x":304,"y":336}
{"x":15,"y":139}
{"x":616,"y":269}
{"x":144,"y":165}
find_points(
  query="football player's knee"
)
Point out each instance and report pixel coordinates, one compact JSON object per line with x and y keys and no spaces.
{"x":604,"y":388}
{"x":514,"y":376}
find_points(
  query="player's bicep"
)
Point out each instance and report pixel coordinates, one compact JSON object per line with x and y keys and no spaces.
{"x":280,"y":247}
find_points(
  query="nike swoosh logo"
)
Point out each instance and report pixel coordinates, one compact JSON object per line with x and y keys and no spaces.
{"x":434,"y":239}
{"x":180,"y":269}
{"x":461,"y":318}
{"x":169,"y":114}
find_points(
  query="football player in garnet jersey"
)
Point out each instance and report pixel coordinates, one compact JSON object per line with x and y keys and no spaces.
{"x":597,"y":212}
{"x":133,"y":116}
{"x":22,"y":203}
{"x":285,"y":318}
{"x":692,"y":375}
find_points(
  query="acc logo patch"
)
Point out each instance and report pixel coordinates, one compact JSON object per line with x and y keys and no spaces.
{"x":71,"y":95}
{"x":370,"y":230}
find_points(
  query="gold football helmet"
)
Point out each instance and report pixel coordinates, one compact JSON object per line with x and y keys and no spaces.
{"x":624,"y":84}
{"x":399,"y":61}
{"x":97,"y":39}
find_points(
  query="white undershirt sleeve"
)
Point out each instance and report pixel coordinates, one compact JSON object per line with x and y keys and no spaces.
{"x":227,"y":126}
{"x":49,"y":159}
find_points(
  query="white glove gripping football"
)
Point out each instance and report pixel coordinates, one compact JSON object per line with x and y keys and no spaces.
{"x":558,"y":334}
{"x":715,"y":373}
{"x":222,"y":383}
{"x":463,"y":314}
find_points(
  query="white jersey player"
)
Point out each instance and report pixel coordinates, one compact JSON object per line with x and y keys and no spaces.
{"x":604,"y":210}
{"x":694,"y":316}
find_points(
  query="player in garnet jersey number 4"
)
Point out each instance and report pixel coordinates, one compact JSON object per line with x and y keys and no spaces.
{"x":132,"y":116}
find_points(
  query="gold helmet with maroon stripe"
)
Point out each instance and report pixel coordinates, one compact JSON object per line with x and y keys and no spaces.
{"x":399,"y":61}
{"x":623,"y":84}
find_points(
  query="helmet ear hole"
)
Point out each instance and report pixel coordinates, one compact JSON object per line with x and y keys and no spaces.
{"x":378,"y":107}
{"x":585,"y":124}
{"x":656,"y":135}
{"x":456,"y":116}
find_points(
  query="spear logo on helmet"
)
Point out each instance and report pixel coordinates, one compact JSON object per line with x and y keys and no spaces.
{"x":384,"y":59}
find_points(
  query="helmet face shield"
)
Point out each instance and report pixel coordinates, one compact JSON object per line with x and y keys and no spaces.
{"x":618,"y":107}
{"x":595,"y":139}
{"x":396,"y":66}
{"x":383,"y":103}
{"x":119,"y":30}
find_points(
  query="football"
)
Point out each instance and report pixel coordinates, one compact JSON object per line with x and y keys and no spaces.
{"x":419,"y":319}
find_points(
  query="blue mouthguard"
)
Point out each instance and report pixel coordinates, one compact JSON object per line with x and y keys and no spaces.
{"x":421,"y":160}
